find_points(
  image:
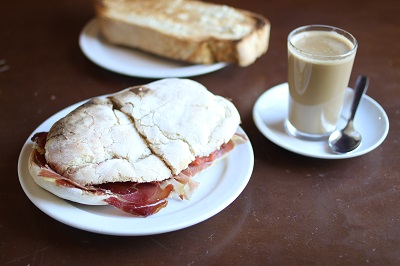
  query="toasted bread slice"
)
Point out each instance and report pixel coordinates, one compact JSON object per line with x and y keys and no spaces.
{"x":185,"y":30}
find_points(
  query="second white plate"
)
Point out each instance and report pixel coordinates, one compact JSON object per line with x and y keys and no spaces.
{"x":133,"y":62}
{"x":270,"y":112}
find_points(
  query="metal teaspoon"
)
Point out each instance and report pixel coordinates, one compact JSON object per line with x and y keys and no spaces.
{"x":348,"y":139}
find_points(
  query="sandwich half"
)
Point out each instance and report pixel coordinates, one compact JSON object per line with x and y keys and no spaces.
{"x":136,"y":148}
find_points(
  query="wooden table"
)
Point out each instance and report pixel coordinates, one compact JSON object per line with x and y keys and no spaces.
{"x":294,"y":210}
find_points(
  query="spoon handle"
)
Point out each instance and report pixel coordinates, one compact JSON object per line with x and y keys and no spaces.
{"x":360,"y":88}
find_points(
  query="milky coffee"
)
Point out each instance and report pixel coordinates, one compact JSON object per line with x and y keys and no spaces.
{"x":320,"y":59}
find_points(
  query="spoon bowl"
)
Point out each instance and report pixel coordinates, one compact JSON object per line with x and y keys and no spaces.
{"x":348,"y":139}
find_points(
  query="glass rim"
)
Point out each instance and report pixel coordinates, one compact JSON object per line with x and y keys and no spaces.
{"x":314,"y":27}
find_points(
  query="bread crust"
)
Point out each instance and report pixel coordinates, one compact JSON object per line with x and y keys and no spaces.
{"x":242,"y":48}
{"x":141,"y":134}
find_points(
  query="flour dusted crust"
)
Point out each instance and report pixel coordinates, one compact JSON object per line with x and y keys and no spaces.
{"x":141,"y":134}
{"x":180,"y":119}
{"x":188,"y":30}
{"x":97,"y":144}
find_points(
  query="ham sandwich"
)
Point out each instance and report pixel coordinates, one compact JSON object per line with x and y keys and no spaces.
{"x":136,"y":148}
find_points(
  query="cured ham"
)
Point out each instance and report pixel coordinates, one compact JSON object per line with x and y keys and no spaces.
{"x":139,"y":199}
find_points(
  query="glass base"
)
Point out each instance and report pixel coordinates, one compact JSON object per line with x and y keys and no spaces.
{"x":303,"y":135}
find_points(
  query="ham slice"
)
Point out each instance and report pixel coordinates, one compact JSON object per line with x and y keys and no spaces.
{"x":139,"y":199}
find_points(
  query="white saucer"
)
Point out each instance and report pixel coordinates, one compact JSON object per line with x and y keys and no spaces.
{"x":133,"y":62}
{"x":219,"y":186}
{"x":270,"y":111}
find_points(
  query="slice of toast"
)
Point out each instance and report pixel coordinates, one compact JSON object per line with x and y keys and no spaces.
{"x":186,"y":30}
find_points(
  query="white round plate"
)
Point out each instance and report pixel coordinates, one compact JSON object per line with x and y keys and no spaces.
{"x":133,"y":62}
{"x":270,"y":112}
{"x":219,"y":186}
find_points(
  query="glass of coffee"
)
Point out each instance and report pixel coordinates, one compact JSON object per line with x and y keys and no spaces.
{"x":320,"y":60}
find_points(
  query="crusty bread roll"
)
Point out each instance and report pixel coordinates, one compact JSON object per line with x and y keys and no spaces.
{"x":143,"y":134}
{"x":187,"y":30}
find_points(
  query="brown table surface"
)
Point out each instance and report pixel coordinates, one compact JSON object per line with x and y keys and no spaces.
{"x":294,"y":210}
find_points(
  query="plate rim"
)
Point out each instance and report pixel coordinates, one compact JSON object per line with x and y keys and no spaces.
{"x":273,"y":137}
{"x":88,"y":36}
{"x":61,"y":205}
